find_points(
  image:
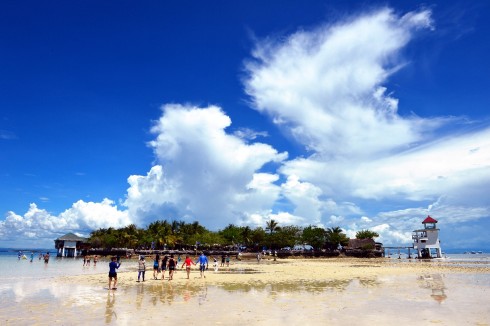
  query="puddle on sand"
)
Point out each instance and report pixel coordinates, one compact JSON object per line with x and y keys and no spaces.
{"x":239,"y":271}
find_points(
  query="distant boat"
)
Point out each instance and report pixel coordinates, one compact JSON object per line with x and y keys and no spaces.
{"x":480,"y":252}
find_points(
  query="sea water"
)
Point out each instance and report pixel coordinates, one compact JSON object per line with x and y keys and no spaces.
{"x":13,"y":269}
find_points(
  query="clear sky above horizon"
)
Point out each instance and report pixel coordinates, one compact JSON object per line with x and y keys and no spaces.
{"x":358,"y":114}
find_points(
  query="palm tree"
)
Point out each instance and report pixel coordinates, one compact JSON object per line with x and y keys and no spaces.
{"x":246,"y":235}
{"x":272,"y":226}
{"x":336,"y":237}
{"x":366,"y":234}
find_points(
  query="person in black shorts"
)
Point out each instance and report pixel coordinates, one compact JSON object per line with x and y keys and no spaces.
{"x":171,"y":267}
{"x":156,"y":266}
{"x":113,"y":265}
{"x":164,"y":266}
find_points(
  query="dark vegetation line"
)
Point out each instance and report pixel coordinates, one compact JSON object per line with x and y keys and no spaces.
{"x":178,"y":235}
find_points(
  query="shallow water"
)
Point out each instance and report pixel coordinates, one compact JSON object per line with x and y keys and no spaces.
{"x":29,"y":297}
{"x":11,"y":268}
{"x":453,"y":299}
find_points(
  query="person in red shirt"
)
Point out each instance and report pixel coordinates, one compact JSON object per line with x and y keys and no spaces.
{"x":187,"y":262}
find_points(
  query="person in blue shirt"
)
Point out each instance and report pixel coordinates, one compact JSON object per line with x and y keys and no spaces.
{"x":203,"y":264}
{"x":113,"y":265}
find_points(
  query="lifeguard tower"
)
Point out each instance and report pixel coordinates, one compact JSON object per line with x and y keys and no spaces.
{"x":426,"y":241}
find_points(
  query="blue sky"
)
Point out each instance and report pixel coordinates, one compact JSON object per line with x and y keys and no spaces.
{"x":363,"y":115}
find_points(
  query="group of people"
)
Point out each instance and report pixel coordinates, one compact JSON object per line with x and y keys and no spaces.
{"x":225,"y":259}
{"x":167,"y":262}
{"x":21,"y":255}
{"x":87,"y":259}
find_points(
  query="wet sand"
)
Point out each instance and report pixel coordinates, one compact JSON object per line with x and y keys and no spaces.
{"x":286,"y":292}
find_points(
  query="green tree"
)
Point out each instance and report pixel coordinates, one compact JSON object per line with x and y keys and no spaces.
{"x":258,"y":237}
{"x":272,"y":226}
{"x":366,"y":234}
{"x":232,"y":234}
{"x":335,"y":237}
{"x":246,"y":235}
{"x":286,"y":236}
{"x":314,"y":236}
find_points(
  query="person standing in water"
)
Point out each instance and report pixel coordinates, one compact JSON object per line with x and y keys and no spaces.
{"x":113,"y":265}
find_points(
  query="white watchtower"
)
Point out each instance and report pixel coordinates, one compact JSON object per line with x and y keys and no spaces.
{"x":427,"y":239}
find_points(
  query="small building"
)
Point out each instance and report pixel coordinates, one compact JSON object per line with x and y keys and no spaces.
{"x":70,"y":245}
{"x":426,"y":241}
{"x":363,"y":248}
{"x":361,"y":244}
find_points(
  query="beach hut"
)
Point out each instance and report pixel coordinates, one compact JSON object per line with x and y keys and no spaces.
{"x":70,"y":245}
{"x":426,"y":241}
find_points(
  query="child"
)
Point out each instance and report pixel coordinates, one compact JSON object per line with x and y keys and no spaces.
{"x":113,"y":265}
{"x":215,"y":264}
{"x":141,"y":268}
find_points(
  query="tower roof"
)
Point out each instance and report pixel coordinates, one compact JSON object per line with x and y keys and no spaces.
{"x":429,"y":219}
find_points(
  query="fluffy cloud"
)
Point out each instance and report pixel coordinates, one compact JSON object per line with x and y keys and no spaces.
{"x":324,"y":86}
{"x":90,"y":215}
{"x":40,"y":227}
{"x":205,"y":173}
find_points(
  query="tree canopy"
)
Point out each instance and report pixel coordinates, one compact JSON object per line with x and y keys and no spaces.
{"x":163,"y":234}
{"x":366,"y":234}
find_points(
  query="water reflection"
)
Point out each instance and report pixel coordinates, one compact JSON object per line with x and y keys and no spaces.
{"x":309,"y":286}
{"x":369,"y":282}
{"x":109,"y":307}
{"x":169,"y":293}
{"x":239,"y":271}
{"x":140,"y":291}
{"x":435,"y":283}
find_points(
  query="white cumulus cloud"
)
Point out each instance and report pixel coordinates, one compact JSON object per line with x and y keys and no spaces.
{"x":205,"y":173}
